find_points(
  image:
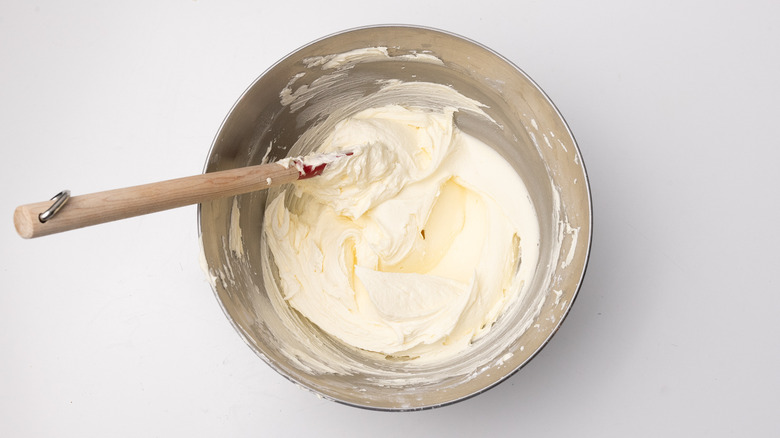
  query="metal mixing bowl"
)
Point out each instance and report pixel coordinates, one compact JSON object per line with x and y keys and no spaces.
{"x":530,"y":134}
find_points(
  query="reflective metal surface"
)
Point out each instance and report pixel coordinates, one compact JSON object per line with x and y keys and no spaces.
{"x":534,"y":138}
{"x":59,"y":200}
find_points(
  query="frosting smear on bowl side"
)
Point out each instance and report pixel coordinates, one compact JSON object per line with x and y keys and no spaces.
{"x":414,"y":245}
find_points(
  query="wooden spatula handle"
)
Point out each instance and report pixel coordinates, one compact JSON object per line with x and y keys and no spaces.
{"x":97,"y":208}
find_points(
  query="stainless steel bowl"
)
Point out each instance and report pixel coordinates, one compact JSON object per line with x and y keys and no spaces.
{"x":532,"y":136}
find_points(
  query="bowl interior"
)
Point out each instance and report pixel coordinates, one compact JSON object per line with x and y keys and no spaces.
{"x":528,"y":132}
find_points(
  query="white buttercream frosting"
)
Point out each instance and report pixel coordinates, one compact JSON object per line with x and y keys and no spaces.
{"x":412,"y":246}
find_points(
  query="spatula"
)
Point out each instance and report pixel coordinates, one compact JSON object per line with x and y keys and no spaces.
{"x":64,"y":213}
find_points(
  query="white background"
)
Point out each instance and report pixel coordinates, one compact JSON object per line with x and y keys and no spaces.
{"x":113,"y":330}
